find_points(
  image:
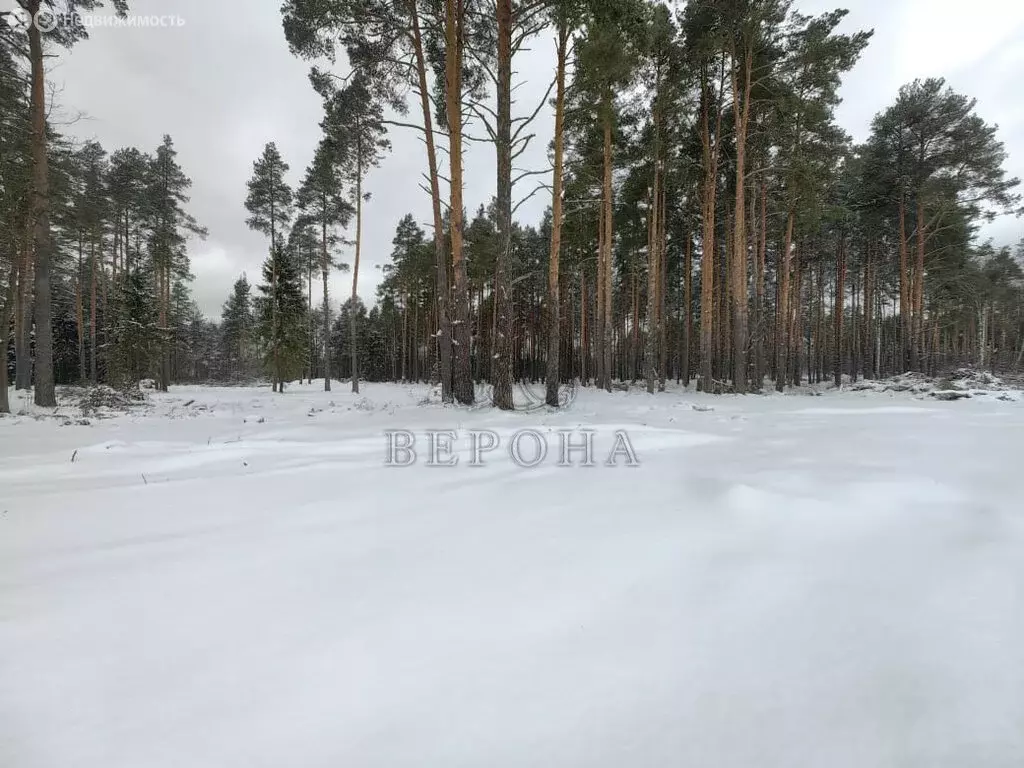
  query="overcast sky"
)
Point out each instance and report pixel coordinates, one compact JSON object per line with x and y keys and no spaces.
{"x":224,"y":84}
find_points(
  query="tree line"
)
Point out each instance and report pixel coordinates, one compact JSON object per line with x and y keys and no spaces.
{"x":94,"y":269}
{"x":709,"y":219}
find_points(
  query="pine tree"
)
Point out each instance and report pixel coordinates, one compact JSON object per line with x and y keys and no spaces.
{"x":395,"y":45}
{"x":65,"y":35}
{"x":269,"y":204}
{"x":939,"y":158}
{"x":323,"y":199}
{"x":606,"y":65}
{"x":354,"y":125}
{"x":170,"y":228}
{"x":92,"y":209}
{"x":565,"y":17}
{"x":15,"y":181}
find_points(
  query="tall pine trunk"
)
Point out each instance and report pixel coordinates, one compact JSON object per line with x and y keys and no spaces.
{"x":687,"y":310}
{"x":444,"y":328}
{"x":353,"y":313}
{"x":92,"y":312}
{"x":741,"y":115}
{"x":906,"y":309}
{"x":918,"y":348}
{"x":710,"y":152}
{"x":5,"y":325}
{"x":462,"y":337}
{"x":838,"y":310}
{"x":79,"y":315}
{"x":325,"y":264}
{"x":606,"y":255}
{"x":165,"y":331}
{"x":651,"y":351}
{"x":761,"y":339}
{"x":782,"y":312}
{"x":23,"y":317}
{"x":662,"y":286}
{"x":45,"y":395}
{"x":501,"y":355}
{"x":554,"y":309}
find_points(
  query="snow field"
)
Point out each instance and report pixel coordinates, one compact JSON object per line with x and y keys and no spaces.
{"x":783,"y":581}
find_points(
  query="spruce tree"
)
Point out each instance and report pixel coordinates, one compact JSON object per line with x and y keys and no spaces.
{"x":282,"y":318}
{"x":136,"y":333}
{"x":237,"y":329}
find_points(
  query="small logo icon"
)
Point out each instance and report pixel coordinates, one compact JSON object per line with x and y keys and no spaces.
{"x":46,"y":20}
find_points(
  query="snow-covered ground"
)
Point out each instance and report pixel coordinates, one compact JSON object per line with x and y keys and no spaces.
{"x":783,"y":581}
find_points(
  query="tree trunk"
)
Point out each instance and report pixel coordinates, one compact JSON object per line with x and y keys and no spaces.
{"x":444,"y":330}
{"x":650,"y":353}
{"x":796,"y":334}
{"x":92,"y":311}
{"x":23,"y":318}
{"x":918,"y":298}
{"x":662,"y":286}
{"x":906,"y":310}
{"x":79,"y":315}
{"x":454,"y":19}
{"x":163,"y":302}
{"x":782,"y":312}
{"x":584,"y":337}
{"x":838,"y":311}
{"x":868,"y":322}
{"x":606,"y":256}
{"x":5,"y":325}
{"x":310,"y":345}
{"x":687,"y":310}
{"x":44,"y":385}
{"x":353,"y":312}
{"x":598,"y":320}
{"x":501,"y":354}
{"x":325,"y":265}
{"x":761,"y":340}
{"x":710,"y":151}
{"x":553,"y":376}
{"x":274,"y":340}
{"x":982,"y":336}
{"x":741,"y":114}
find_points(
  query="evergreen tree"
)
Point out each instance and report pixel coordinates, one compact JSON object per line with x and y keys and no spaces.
{"x":607,"y":58}
{"x":282,"y":318}
{"x":170,"y":228}
{"x":136,"y":332}
{"x":269,"y":204}
{"x":354,"y":125}
{"x":92,"y":209}
{"x":323,"y":198}
{"x":65,"y":35}
{"x":237,"y":330}
{"x":937,"y":159}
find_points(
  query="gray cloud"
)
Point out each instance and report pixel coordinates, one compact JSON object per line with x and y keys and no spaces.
{"x":224,"y":84}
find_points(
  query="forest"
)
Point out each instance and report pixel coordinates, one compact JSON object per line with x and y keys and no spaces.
{"x":710,"y":222}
